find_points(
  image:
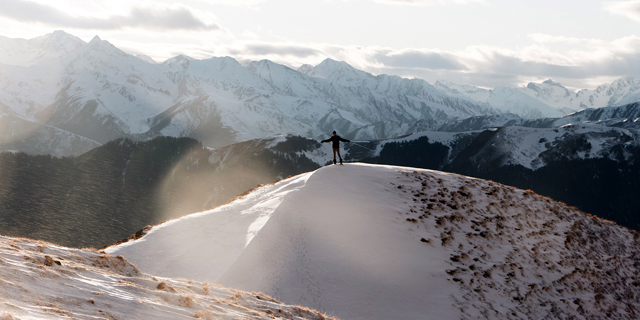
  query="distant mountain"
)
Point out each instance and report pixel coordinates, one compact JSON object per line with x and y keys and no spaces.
{"x":504,"y":99}
{"x":620,"y":92}
{"x":626,"y":116}
{"x":21,"y":135}
{"x":548,"y":99}
{"x":40,"y":50}
{"x":556,"y":95}
{"x":97,"y":91}
{"x":381,"y":242}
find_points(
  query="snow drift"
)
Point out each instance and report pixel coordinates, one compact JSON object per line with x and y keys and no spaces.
{"x":380,"y":242}
{"x":39,"y":280}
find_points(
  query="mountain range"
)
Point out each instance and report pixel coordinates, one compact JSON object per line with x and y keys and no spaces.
{"x":91,"y":93}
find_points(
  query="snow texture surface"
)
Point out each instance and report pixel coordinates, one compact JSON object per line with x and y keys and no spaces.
{"x":380,"y":242}
{"x":40,"y":280}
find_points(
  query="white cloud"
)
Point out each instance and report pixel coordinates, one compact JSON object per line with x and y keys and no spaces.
{"x":421,"y":59}
{"x":629,"y":9}
{"x":545,"y":38}
{"x":585,"y":64}
{"x":160,"y":29}
{"x":152,"y":16}
{"x":421,"y":2}
{"x":594,"y":62}
{"x":240,"y":3}
{"x":427,"y":2}
{"x":279,"y":49}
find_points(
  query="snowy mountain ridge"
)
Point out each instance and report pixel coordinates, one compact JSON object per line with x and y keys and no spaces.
{"x":549,"y":98}
{"x":99,"y":92}
{"x":102,"y":93}
{"x":378,"y":242}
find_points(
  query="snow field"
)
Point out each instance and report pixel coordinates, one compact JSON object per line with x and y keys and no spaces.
{"x":333,"y":243}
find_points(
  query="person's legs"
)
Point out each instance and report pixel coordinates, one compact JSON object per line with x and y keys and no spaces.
{"x":334,"y":154}
{"x":338,"y":151}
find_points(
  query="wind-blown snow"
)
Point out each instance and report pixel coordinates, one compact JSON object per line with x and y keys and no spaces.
{"x":381,"y":242}
{"x":320,"y":248}
{"x":40,"y":280}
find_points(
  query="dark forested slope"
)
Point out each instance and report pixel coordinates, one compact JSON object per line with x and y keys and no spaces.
{"x":115,"y":190}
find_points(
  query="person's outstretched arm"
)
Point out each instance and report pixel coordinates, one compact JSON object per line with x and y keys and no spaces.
{"x":345,"y":140}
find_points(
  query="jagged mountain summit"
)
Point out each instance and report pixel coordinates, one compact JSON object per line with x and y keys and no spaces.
{"x":45,"y":281}
{"x":380,"y":242}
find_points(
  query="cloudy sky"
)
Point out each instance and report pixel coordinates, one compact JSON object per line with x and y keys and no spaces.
{"x":580,"y":43}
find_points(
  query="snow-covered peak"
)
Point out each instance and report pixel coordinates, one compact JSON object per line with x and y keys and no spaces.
{"x":305,"y":69}
{"x":620,"y":92}
{"x":225,"y":69}
{"x":624,"y":91}
{"x":60,"y":39}
{"x":180,"y":59}
{"x":100,"y":49}
{"x":381,"y":242}
{"x":266,"y":65}
{"x":549,"y":89}
{"x":96,"y":39}
{"x":504,"y":99}
{"x":625,"y":82}
{"x":552,"y":93}
{"x":145,"y":58}
{"x":286,"y":80}
{"x":337,"y":70}
{"x":22,"y":52}
{"x":548,"y":98}
{"x":474,"y":93}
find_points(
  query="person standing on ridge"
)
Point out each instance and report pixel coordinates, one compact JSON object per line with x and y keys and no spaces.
{"x":336,"y":145}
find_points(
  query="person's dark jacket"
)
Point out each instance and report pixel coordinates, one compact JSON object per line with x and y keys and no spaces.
{"x":336,"y":141}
